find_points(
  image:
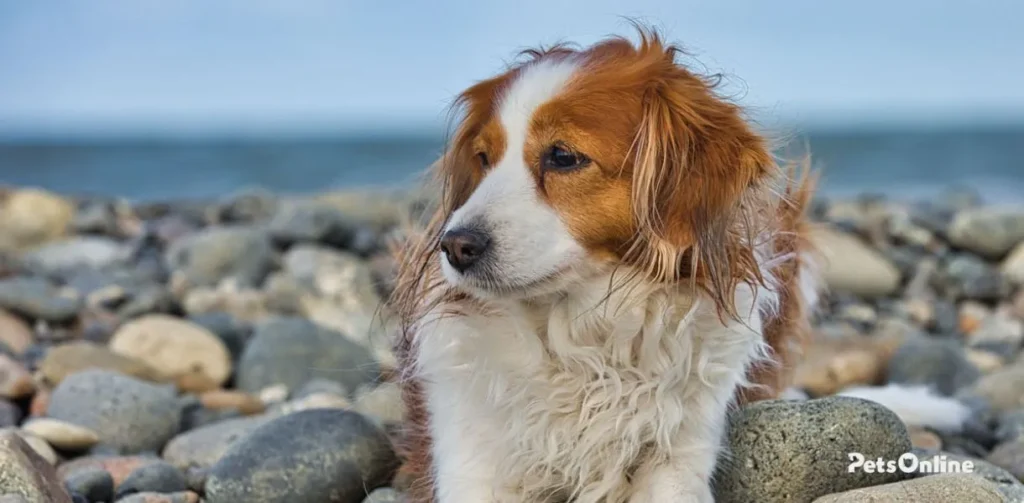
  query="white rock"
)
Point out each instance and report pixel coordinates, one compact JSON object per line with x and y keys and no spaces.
{"x":852,"y":266}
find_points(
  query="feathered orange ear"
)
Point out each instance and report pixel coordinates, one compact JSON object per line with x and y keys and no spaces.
{"x":696,"y":161}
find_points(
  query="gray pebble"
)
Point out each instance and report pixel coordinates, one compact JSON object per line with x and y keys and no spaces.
{"x":799,"y":451}
{"x":94,"y":484}
{"x":72,"y":253}
{"x":323,"y":455}
{"x":938,"y":363}
{"x":205,"y":445}
{"x":292,"y":351}
{"x":216,"y":253}
{"x":1010,"y":425}
{"x":231,"y":331}
{"x":10,"y":414}
{"x":36,"y":298}
{"x":968,"y":277}
{"x":160,"y":477}
{"x":321,"y":385}
{"x":130,"y":415}
{"x":311,"y":222}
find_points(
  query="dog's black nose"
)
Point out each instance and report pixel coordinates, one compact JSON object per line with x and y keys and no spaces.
{"x":464,"y":247}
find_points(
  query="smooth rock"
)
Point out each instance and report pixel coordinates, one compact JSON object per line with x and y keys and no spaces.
{"x":324,"y":455}
{"x":1000,"y":333}
{"x":15,"y":381}
{"x":831,"y":364}
{"x":1010,"y":425}
{"x":205,"y":258}
{"x":245,"y":403}
{"x":946,"y":487}
{"x":1003,"y":389}
{"x":194,"y":415}
{"x":25,"y":473}
{"x":852,"y":266}
{"x":303,"y":221}
{"x":985,"y":361}
{"x":62,"y":434}
{"x":971,"y":315}
{"x":160,"y":477}
{"x":152,"y":497}
{"x":939,"y":364}
{"x":174,"y":347}
{"x":990,"y":231}
{"x":291,"y":351}
{"x":75,"y":252}
{"x":345,"y":296}
{"x":204,"y":446}
{"x":1013,"y":266}
{"x":378,"y":210}
{"x":968,"y":277}
{"x":31,"y":217}
{"x":15,"y":334}
{"x":312,"y":401}
{"x":40,"y":402}
{"x":37,"y":299}
{"x":1010,"y":457}
{"x":95,"y":484}
{"x":924,"y":439}
{"x":248,"y":205}
{"x":321,"y":385}
{"x":1016,"y":306}
{"x":798,"y":451}
{"x":274,"y":394}
{"x":10,"y":414}
{"x":73,"y":357}
{"x":980,"y":467}
{"x":247,"y":304}
{"x":40,"y":446}
{"x":129,"y":415}
{"x":119,"y":467}
{"x":231,"y":331}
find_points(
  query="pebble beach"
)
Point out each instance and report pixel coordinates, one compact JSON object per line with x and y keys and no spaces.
{"x":236,"y":350}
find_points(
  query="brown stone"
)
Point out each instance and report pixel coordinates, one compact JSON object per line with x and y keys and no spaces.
{"x":15,"y":381}
{"x":832,"y":364}
{"x":15,"y":333}
{"x":241,"y":401}
{"x":924,"y":439}
{"x":971,"y":316}
{"x":175,"y":347}
{"x":40,"y":402}
{"x":66,"y":359}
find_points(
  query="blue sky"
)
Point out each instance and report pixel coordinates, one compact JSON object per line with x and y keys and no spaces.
{"x":256,"y":65}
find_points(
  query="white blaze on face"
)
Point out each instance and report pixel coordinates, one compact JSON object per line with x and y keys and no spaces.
{"x":529,"y":241}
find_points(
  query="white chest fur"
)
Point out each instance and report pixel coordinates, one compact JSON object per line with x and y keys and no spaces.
{"x":582,"y":396}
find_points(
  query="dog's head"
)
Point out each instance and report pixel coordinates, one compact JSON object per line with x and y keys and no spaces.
{"x":574,"y":162}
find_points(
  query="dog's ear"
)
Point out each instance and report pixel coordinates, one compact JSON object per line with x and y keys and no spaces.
{"x":696,"y":160}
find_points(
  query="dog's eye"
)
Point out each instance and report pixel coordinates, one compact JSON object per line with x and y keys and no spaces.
{"x":561,"y":159}
{"x":484,"y":162}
